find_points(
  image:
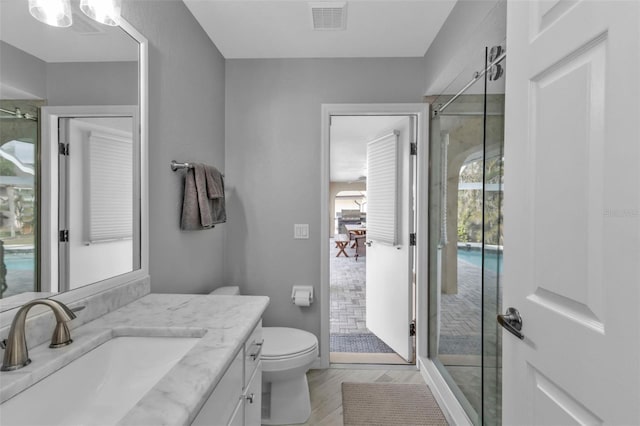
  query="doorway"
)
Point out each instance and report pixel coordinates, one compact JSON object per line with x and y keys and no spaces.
{"x":361,"y":324}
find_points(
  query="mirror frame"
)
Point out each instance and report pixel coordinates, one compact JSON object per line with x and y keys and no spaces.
{"x":48,"y":236}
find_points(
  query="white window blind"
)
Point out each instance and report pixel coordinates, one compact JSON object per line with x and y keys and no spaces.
{"x":382,"y":189}
{"x":110,"y":176}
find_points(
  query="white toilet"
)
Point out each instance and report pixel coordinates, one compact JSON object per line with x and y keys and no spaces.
{"x":287,"y":355}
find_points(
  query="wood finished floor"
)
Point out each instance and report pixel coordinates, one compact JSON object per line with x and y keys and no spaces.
{"x":326,"y":392}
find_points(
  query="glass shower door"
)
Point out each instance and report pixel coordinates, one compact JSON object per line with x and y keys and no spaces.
{"x":493,"y":239}
{"x":466,"y":242}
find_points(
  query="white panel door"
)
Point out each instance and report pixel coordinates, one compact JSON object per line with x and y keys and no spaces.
{"x":389,"y":299}
{"x":572,"y":213}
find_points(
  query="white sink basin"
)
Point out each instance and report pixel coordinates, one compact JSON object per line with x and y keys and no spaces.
{"x":99,"y":387}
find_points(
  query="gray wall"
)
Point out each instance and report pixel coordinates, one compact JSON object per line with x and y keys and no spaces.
{"x":92,"y":83}
{"x":186,"y":123}
{"x":273,"y":165}
{"x":22,"y":71}
{"x":458,"y":49}
{"x":68,"y":83}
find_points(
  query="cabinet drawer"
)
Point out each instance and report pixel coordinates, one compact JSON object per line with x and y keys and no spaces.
{"x":222,"y":402}
{"x":252,"y":350}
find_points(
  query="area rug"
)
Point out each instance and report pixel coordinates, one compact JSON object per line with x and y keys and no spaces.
{"x":389,"y":404}
{"x":360,"y":343}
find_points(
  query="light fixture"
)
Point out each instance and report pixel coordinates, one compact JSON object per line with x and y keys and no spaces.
{"x":103,"y":11}
{"x":56,"y":13}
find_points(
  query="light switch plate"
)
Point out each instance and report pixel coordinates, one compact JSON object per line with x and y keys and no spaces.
{"x":301,"y":231}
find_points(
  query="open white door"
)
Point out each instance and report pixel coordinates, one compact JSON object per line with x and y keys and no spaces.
{"x":572,"y":213}
{"x":389,"y":222}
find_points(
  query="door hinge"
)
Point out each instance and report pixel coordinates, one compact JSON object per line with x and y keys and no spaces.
{"x":63,"y":148}
{"x":412,"y":328}
{"x":64,"y":235}
{"x":412,"y":239}
{"x":414,"y":148}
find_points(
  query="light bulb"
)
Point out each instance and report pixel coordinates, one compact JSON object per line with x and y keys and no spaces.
{"x":103,"y":11}
{"x":56,"y":13}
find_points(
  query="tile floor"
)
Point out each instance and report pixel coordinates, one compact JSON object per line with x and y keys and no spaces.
{"x":347,"y":292}
{"x":461,"y":321}
{"x":325,"y":388}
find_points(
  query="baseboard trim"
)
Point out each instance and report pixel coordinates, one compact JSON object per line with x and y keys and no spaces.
{"x":453,"y":411}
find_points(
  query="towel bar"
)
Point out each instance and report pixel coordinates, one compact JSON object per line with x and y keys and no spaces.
{"x":175,"y":166}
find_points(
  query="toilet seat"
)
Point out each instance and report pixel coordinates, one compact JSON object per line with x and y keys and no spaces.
{"x":282,"y":343}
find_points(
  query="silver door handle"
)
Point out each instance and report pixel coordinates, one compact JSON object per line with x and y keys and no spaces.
{"x":512,"y":321}
{"x":368,"y":243}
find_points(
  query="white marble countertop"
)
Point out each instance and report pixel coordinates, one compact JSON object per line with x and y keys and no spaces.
{"x":224,"y":322}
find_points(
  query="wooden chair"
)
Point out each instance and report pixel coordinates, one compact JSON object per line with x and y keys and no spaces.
{"x":342,"y":241}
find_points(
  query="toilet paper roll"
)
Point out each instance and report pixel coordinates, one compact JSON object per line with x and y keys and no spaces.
{"x":302,"y":298}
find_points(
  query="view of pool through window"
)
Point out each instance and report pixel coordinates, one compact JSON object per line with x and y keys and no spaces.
{"x":20,"y":270}
{"x":19,"y":261}
{"x":18,"y":196}
{"x":492,"y":260}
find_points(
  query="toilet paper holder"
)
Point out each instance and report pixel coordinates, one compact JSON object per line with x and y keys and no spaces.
{"x":300,"y":293}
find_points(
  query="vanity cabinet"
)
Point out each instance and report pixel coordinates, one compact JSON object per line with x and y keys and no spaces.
{"x":237,"y":399}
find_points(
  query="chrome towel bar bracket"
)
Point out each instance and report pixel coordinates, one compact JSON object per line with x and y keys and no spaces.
{"x":175,"y":166}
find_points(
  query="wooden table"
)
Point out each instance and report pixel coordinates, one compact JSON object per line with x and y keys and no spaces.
{"x":355,"y":230}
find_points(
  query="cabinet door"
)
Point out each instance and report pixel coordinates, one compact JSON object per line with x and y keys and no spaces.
{"x":253,"y":398}
{"x":220,"y":406}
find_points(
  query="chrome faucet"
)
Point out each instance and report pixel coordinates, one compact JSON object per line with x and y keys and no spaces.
{"x":15,"y":354}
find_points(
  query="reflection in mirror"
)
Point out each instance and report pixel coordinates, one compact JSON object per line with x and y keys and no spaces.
{"x":18,"y":196}
{"x":98,"y":199}
{"x":87,"y":64}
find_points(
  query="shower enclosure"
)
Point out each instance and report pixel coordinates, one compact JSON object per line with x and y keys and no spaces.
{"x":18,"y":196}
{"x":466,"y":240}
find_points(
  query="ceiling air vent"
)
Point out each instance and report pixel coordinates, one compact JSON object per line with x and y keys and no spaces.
{"x":327,"y":15}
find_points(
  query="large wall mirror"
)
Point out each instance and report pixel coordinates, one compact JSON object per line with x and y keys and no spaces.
{"x":72,"y":156}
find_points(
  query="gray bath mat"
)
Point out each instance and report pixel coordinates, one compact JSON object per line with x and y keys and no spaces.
{"x":389,"y":404}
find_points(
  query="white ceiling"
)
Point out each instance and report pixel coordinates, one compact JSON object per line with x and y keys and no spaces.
{"x":348,"y":143}
{"x":283,"y":29}
{"x":85,"y":41}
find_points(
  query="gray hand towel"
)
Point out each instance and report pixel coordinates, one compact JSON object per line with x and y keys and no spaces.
{"x":215,"y":183}
{"x":203,"y":205}
{"x":215,"y":191}
{"x":190,"y":211}
{"x":203,"y":199}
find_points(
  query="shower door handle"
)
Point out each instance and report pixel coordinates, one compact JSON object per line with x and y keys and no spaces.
{"x":512,"y":321}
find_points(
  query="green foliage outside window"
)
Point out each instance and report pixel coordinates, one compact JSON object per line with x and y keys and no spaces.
{"x":470,"y":204}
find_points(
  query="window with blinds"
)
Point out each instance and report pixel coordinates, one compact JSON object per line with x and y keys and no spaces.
{"x":110,"y":182}
{"x":382,"y":189}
